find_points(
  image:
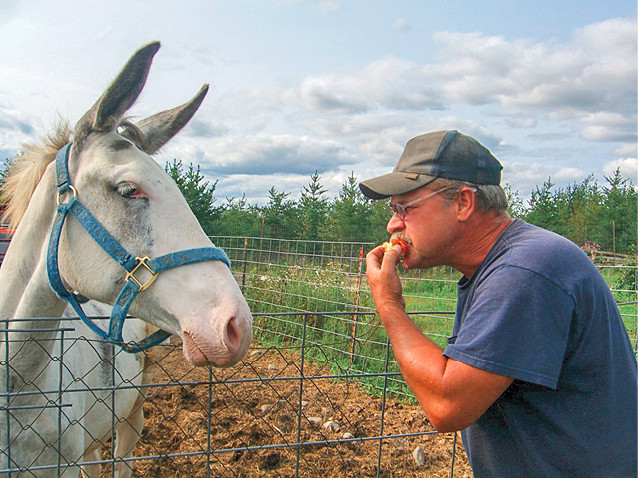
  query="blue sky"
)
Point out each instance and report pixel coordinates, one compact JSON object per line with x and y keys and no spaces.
{"x":339,"y":87}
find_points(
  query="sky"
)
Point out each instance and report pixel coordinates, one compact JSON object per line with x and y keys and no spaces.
{"x":338,"y":87}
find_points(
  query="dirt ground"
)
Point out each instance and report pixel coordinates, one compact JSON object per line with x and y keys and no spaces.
{"x":254,"y":424}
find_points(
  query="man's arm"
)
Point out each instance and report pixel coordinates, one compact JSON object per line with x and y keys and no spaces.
{"x":452,"y":394}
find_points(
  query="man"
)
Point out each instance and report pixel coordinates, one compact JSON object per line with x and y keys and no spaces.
{"x":539,"y":372}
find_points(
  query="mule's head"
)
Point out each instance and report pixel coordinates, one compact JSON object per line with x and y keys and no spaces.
{"x":143,"y":209}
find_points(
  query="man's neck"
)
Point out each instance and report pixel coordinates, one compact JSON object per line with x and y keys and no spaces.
{"x":482,"y":233}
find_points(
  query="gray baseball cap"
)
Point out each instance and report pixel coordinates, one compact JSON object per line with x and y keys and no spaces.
{"x":442,"y":154}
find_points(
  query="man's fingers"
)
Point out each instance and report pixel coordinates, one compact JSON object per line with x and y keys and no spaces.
{"x":374,"y":258}
{"x":392,"y":257}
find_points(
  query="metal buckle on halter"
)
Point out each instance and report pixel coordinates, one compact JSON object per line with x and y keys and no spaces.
{"x":62,"y":195}
{"x":142,"y":261}
{"x":127,"y":347}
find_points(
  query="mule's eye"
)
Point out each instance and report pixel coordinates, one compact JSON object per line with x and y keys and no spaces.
{"x":127,"y":190}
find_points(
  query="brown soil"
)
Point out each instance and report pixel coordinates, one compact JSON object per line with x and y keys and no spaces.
{"x":253,"y":424}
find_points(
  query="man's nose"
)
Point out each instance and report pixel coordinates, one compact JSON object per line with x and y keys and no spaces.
{"x":395,"y":224}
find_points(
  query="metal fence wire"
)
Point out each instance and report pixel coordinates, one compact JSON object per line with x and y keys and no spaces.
{"x":319,"y":392}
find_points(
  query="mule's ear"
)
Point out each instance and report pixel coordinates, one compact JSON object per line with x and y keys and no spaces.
{"x":119,"y":97}
{"x":161,"y":127}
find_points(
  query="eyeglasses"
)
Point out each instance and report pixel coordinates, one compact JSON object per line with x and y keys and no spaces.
{"x":402,"y":209}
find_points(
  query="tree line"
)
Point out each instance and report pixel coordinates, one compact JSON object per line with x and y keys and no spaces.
{"x":594,"y":216}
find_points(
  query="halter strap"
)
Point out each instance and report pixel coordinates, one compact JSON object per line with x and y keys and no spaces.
{"x":130,"y":263}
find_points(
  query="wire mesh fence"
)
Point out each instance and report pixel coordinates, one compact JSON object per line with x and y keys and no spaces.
{"x":277,"y":413}
{"x":318,"y":393}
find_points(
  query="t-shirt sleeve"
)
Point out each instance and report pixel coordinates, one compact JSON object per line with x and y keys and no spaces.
{"x":517,"y":325}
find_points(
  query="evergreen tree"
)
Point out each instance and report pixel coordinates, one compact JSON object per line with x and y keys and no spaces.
{"x":515,"y":205}
{"x":279,"y":215}
{"x":542,"y":207}
{"x":577,"y":206}
{"x":238,"y":218}
{"x":586,"y":213}
{"x":354,"y":217}
{"x":618,"y":216}
{"x":313,"y":209}
{"x":197,"y":192}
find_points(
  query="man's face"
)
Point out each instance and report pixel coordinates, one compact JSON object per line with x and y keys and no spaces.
{"x":428,"y":225}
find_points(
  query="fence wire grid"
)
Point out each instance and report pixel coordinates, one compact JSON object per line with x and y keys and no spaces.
{"x":319,"y":392}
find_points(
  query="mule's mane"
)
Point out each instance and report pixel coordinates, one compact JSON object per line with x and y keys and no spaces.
{"x":26,"y":169}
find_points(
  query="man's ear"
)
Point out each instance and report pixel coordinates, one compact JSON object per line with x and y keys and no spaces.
{"x":465,"y":204}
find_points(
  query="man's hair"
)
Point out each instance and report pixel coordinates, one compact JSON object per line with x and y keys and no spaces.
{"x":490,"y":197}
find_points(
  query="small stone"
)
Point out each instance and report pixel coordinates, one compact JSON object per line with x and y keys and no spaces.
{"x":304,"y":403}
{"x":316,"y":421}
{"x":419,"y":456}
{"x":272,"y":366}
{"x":325,"y":411}
{"x":266,"y":408}
{"x":332,"y":426}
{"x":347,"y":436}
{"x":256,"y":352}
{"x":397,"y":444}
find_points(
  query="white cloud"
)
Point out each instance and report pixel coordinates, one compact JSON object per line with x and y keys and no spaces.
{"x":627,"y":149}
{"x":604,"y":133}
{"x":11,"y":120}
{"x":198,"y":127}
{"x":256,"y":186}
{"x":588,"y":79}
{"x":608,"y":126}
{"x":525,"y":177}
{"x":628,"y":168}
{"x":400,"y":24}
{"x":261,"y":154}
{"x":388,"y":83}
{"x":585,"y":75}
{"x":330,"y":94}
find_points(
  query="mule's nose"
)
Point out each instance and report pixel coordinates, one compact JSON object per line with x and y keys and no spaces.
{"x":222,"y":346}
{"x":232,"y":336}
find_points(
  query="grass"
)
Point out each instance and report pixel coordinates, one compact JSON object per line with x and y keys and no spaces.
{"x":343,"y":332}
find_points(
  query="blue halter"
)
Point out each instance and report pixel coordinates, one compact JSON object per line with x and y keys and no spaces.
{"x":130,"y":263}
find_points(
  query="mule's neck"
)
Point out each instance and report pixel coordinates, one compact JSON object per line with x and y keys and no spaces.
{"x":23,"y":268}
{"x":29,"y":343}
{"x":25,"y":293}
{"x":25,"y":290}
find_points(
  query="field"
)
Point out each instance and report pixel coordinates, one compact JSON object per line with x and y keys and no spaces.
{"x":258,"y":414}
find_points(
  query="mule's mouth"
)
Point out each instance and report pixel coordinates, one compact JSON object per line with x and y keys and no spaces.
{"x":225,"y":352}
{"x":193,"y":353}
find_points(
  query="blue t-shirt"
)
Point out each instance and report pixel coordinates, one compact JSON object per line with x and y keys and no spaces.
{"x":539,"y":311}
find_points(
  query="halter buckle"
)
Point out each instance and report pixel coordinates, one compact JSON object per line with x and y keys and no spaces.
{"x":142,"y":262}
{"x":61,"y":196}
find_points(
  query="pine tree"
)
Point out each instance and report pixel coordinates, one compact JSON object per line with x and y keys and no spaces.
{"x":313,"y":209}
{"x":199,"y":194}
{"x":279,"y":215}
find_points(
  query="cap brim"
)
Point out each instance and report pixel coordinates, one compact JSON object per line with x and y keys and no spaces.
{"x":392,"y":184}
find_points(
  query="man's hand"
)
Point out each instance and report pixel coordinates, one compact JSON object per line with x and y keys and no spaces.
{"x":381,"y":271}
